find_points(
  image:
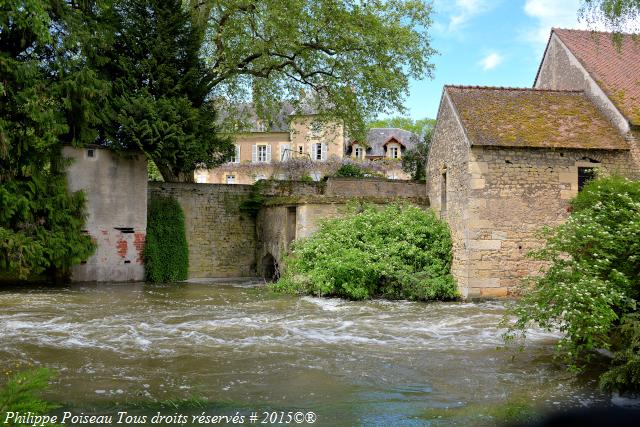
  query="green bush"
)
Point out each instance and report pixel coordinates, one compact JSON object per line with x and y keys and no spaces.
{"x":591,"y":287}
{"x":19,"y":395}
{"x":399,"y":252}
{"x":166,"y":254}
{"x":351,"y":171}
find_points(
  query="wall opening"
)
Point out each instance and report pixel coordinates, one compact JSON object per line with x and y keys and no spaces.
{"x":443,"y":192}
{"x":585,"y":174}
{"x":291,"y":225}
{"x":269,"y":268}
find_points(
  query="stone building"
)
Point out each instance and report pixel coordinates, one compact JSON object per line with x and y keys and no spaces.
{"x":505,"y":162}
{"x":387,"y":144}
{"x":263,"y":149}
{"x":115,"y":188}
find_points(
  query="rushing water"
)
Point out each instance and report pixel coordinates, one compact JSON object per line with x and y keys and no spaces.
{"x":242,"y":347}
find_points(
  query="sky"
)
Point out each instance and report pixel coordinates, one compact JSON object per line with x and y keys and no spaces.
{"x":488,"y":43}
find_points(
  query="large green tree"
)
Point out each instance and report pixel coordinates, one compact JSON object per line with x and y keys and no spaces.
{"x":349,"y":59}
{"x":158,"y":102}
{"x":40,"y":221}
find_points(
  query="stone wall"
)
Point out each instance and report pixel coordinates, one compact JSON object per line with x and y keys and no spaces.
{"x":221,"y":238}
{"x":516,"y":193}
{"x":115,"y":188}
{"x":449,"y":157}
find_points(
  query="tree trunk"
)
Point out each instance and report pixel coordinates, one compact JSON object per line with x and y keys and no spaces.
{"x":169,"y":175}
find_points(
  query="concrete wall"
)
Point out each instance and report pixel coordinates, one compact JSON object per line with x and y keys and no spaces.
{"x":116,"y":191}
{"x":221,"y":238}
{"x":449,"y":154}
{"x":561,"y":70}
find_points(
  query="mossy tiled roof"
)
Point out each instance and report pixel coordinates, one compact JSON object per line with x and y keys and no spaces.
{"x":616,"y":68}
{"x":510,"y":117}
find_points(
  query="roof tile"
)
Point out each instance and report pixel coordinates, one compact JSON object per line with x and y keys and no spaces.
{"x":514,"y":117}
{"x":615,"y":68}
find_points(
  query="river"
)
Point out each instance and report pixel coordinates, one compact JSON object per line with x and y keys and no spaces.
{"x":243,"y":348}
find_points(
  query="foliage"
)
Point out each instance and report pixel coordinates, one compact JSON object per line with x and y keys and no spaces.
{"x":255,"y":201}
{"x":353,"y":59}
{"x":399,"y":251}
{"x":591,"y":286}
{"x":20,"y":395}
{"x":420,"y":127}
{"x":350,"y":170}
{"x":158,"y":100}
{"x":153,"y":173}
{"x":166,"y":253}
{"x":617,"y":15}
{"x":299,"y":169}
{"x":414,"y":160}
{"x":41,"y":108}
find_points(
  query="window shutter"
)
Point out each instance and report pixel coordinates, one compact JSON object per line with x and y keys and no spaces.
{"x":237,"y":153}
{"x":284,"y":152}
{"x":323,"y":150}
{"x":254,"y":153}
{"x":269,"y":153}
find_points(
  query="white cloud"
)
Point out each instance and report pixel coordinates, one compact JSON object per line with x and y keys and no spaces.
{"x":464,"y":10}
{"x":491,"y":61}
{"x":551,"y":13}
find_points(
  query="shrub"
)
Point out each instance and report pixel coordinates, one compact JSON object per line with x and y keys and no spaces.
{"x":397,"y":252}
{"x":350,"y":170}
{"x":591,"y":287}
{"x":166,"y":254}
{"x":19,"y":395}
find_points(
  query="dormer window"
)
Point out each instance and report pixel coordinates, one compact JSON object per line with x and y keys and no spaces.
{"x":261,"y":126}
{"x":358,"y":152}
{"x":394,"y":152}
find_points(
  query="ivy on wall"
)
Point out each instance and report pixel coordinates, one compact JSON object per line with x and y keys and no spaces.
{"x":166,"y":254}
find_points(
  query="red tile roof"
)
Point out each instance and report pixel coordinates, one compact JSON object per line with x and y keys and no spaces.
{"x":514,"y":117}
{"x":615,"y":68}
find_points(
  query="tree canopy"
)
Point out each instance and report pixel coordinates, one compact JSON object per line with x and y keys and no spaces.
{"x":43,"y":85}
{"x":158,"y":101}
{"x":617,"y":15}
{"x":349,"y":59}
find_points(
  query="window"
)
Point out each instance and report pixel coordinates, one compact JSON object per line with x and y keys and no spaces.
{"x":236,"y":155}
{"x":394,"y":152}
{"x":201,"y":179}
{"x":585,"y":174}
{"x":443,"y":192}
{"x":320,"y":152}
{"x":316,"y":175}
{"x":358,"y":152}
{"x":260,"y":176}
{"x":300,"y":149}
{"x":261,"y":153}
{"x":91,"y":152}
{"x":231,"y":179}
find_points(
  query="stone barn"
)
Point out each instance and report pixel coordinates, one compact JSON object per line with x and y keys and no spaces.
{"x":506,"y":162}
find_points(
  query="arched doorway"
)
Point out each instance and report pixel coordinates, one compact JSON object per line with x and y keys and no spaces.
{"x":269,"y":268}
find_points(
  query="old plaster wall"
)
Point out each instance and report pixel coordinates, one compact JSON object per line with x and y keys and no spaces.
{"x":518,"y":191}
{"x":115,"y":188}
{"x":221,"y":238}
{"x":448,"y":185}
{"x":561,"y":70}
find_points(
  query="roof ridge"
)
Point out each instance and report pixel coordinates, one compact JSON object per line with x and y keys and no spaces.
{"x":624,"y":33}
{"x":523,"y":89}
